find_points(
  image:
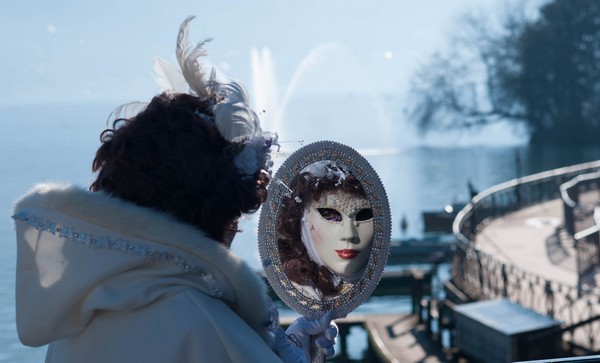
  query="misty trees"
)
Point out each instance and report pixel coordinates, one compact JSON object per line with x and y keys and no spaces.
{"x":542,"y":71}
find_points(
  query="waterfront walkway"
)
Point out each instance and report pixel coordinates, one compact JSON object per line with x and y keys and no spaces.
{"x":530,"y":240}
{"x":534,"y":239}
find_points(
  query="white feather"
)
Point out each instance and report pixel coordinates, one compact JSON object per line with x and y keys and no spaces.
{"x":168,"y":77}
{"x":233,"y":91}
{"x":187,"y":57}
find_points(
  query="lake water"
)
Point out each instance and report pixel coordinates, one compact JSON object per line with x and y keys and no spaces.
{"x":57,"y":143}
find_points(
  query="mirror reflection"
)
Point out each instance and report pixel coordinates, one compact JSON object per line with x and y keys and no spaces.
{"x":325,"y":230}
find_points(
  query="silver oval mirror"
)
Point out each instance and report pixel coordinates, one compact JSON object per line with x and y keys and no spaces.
{"x":325,"y":229}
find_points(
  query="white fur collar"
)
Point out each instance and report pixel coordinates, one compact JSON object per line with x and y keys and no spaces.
{"x":245,"y":292}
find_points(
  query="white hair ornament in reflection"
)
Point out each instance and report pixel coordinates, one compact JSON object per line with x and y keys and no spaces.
{"x":329,"y":169}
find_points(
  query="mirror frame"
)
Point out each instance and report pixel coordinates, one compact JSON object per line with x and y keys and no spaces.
{"x":267,"y":230}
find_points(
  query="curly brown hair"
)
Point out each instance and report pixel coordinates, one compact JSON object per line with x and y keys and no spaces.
{"x":172,"y":158}
{"x":293,"y":254}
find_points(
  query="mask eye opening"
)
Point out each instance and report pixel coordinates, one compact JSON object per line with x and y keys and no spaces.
{"x":364,"y":215}
{"x":330,"y":214}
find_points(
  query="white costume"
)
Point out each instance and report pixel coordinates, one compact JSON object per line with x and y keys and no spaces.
{"x":103,"y":280}
{"x":100,"y":279}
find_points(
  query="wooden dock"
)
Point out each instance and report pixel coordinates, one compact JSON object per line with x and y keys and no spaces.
{"x":401,"y":339}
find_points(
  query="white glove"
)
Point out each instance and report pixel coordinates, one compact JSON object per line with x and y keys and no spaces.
{"x":294,"y":345}
{"x":316,"y":337}
{"x":286,"y":350}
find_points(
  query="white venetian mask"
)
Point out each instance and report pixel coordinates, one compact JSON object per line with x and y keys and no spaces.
{"x":341,"y":231}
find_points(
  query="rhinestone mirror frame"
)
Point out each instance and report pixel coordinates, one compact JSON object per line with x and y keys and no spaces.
{"x":267,"y":230}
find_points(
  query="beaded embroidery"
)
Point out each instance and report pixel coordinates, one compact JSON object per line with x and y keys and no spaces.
{"x":118,"y":244}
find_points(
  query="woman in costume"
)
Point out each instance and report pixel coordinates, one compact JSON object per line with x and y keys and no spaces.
{"x":138,"y":268}
{"x":325,"y":230}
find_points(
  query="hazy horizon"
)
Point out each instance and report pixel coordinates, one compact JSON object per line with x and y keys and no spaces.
{"x":103,"y":49}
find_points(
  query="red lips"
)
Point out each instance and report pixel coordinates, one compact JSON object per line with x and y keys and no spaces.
{"x":347,"y":254}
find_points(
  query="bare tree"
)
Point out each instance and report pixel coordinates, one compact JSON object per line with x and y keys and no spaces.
{"x":539,"y":70}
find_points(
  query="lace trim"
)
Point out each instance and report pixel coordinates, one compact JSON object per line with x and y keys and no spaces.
{"x":117,"y":244}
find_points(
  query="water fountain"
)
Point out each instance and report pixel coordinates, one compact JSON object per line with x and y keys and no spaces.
{"x":328,"y":96}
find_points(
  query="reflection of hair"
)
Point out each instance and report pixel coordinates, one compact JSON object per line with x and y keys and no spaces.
{"x":169,"y":157}
{"x":295,"y":259}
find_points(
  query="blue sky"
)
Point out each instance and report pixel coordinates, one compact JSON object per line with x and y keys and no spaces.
{"x":103,"y":49}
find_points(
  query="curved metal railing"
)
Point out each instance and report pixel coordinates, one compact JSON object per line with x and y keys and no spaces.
{"x":570,"y":193}
{"x":484,"y":276}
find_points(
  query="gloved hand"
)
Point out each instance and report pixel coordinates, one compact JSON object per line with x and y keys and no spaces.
{"x":286,"y":350}
{"x":303,"y":337}
{"x":315,"y":336}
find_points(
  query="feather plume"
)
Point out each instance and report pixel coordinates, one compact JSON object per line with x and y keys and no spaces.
{"x":233,"y":91}
{"x":187,"y":57}
{"x":168,"y":77}
{"x":213,"y":84}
